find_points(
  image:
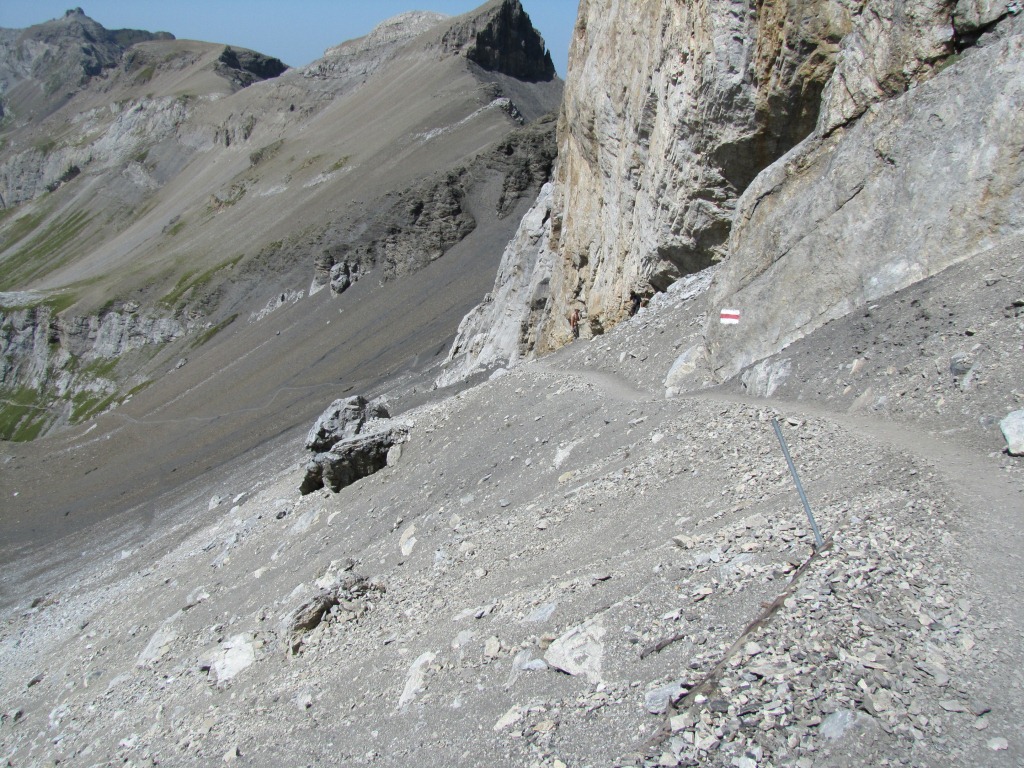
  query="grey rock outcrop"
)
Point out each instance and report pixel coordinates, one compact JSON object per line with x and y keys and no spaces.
{"x":971,"y":17}
{"x":501,"y":329}
{"x":350,"y":440}
{"x":829,"y":157}
{"x":248,"y":67}
{"x":343,"y":419}
{"x":921,"y":182}
{"x":425,"y":221}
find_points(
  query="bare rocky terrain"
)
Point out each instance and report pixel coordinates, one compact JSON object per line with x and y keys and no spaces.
{"x":595,"y":556}
{"x":244,"y":245}
{"x":566,"y":567}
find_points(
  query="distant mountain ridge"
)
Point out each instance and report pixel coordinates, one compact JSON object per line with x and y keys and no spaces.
{"x":189,"y":189}
{"x":41,"y":67}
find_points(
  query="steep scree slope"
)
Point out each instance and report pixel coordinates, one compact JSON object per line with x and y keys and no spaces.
{"x":555,"y":559}
{"x":191,"y":318}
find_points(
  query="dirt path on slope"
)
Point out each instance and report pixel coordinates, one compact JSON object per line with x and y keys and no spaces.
{"x":989,"y":545}
{"x":990,"y":548}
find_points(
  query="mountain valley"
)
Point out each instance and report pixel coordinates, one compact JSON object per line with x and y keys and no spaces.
{"x":598,"y":318}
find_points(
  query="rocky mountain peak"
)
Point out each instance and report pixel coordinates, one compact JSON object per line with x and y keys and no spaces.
{"x":59,"y":56}
{"x":247,"y":66}
{"x":501,"y":38}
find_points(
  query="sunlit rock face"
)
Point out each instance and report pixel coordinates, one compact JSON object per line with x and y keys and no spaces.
{"x":774,"y":137}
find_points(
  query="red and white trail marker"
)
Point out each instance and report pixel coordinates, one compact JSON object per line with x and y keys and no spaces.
{"x":730,"y":316}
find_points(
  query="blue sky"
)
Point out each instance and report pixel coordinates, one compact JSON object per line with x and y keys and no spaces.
{"x":295,"y":32}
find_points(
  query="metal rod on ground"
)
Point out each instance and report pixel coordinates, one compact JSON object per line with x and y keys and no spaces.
{"x":818,"y":541}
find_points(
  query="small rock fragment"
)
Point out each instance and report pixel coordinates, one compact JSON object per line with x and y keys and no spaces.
{"x":579,"y":651}
{"x":1012,"y":428}
{"x":513,"y":716}
{"x":415,"y":682}
{"x":492,"y":647}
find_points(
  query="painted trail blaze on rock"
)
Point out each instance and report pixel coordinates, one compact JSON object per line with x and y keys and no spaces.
{"x":730,"y":317}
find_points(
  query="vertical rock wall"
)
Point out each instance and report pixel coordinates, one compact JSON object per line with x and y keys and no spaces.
{"x":831,"y":151}
{"x":670,"y":111}
{"x":917,"y":183}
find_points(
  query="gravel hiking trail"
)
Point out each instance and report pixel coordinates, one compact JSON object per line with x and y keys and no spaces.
{"x":988,"y":542}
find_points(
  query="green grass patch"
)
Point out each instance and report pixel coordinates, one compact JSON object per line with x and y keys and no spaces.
{"x":22,"y":414}
{"x":45,"y":145}
{"x":20,"y":228}
{"x":176,"y":227}
{"x":265,"y":153}
{"x":145,"y":75}
{"x":102,"y":367}
{"x":138,"y":388}
{"x":47,"y":251}
{"x":85,"y":405}
{"x":194,"y":280}
{"x":209,"y":333}
{"x":184,"y":283}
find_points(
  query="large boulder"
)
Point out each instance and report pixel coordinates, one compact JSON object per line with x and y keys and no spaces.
{"x":349,"y":441}
{"x":343,"y":419}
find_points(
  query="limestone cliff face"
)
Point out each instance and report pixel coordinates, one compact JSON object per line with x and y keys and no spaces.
{"x":918,"y":183}
{"x":829,"y":152}
{"x":670,"y":112}
{"x":72,"y":358}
